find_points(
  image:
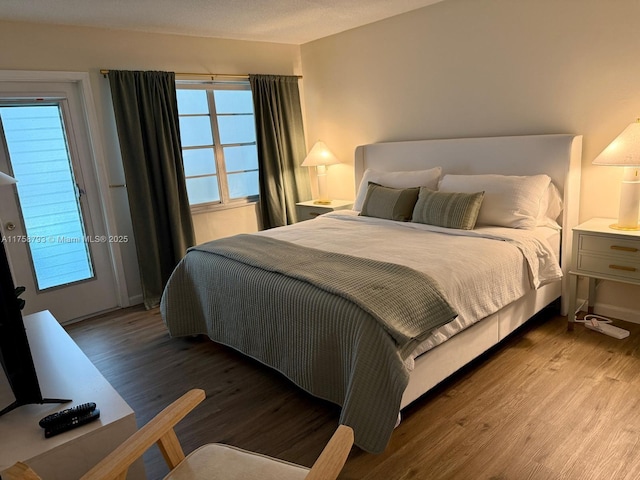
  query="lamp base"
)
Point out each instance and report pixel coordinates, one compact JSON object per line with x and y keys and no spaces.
{"x":629,"y":200}
{"x":322,"y":202}
{"x":617,"y":226}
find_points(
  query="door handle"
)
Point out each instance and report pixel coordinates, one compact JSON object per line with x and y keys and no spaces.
{"x":10,"y":226}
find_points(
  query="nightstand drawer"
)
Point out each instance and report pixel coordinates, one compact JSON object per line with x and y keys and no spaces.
{"x":610,"y":246}
{"x":609,"y":265}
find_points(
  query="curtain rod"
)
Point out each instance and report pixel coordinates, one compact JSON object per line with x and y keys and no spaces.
{"x":212,"y":76}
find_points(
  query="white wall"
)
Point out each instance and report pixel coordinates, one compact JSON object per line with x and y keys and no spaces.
{"x":456,"y":68}
{"x":39,"y":47}
{"x":464,"y":68}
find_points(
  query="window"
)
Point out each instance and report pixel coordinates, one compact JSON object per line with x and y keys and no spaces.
{"x":219,"y":151}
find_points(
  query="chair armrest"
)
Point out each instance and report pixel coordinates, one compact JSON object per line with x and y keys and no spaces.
{"x":333,"y":456}
{"x":20,"y":471}
{"x":158,"y":430}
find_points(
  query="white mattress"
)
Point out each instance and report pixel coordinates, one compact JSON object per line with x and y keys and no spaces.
{"x":479,"y":271}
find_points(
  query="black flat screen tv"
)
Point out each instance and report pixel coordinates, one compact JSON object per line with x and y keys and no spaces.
{"x":15,"y":354}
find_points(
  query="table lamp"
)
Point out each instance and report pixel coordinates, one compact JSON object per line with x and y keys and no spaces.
{"x":320,"y":156}
{"x":624,"y":151}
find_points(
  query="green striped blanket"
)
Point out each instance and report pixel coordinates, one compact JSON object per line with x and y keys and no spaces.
{"x":338,"y":326}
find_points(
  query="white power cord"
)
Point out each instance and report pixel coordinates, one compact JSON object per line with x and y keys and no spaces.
{"x":589,"y":316}
{"x":601,"y":324}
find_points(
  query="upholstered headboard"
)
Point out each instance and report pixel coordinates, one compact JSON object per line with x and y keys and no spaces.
{"x":559,"y":156}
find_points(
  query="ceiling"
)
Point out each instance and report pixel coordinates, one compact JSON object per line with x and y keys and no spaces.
{"x":281,"y":21}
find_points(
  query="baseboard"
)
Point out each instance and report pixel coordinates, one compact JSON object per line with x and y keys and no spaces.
{"x":614,"y":311}
{"x":94,"y":314}
{"x":135,"y":300}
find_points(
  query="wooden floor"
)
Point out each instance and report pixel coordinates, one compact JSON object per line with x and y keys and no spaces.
{"x":547,"y":404}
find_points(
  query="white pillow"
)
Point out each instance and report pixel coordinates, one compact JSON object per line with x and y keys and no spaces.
{"x":551,"y":208}
{"x":409,"y":179}
{"x":509,"y":201}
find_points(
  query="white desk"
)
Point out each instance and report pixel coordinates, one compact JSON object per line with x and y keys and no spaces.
{"x":63,"y":371}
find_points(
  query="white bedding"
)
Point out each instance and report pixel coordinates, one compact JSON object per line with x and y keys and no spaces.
{"x":484,"y":269}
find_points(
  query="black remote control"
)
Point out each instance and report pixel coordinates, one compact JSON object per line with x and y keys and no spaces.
{"x":73,"y":422}
{"x":64,"y":416}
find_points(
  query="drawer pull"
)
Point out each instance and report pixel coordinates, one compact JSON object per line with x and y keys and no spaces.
{"x":624,"y":249}
{"x":622,"y":267}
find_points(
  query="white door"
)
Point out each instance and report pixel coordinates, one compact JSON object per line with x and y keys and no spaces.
{"x":52,"y":225}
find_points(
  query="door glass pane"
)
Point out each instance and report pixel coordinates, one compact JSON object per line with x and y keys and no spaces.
{"x":39,"y":156}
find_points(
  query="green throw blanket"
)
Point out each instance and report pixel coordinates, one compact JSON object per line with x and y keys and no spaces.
{"x":338,"y":326}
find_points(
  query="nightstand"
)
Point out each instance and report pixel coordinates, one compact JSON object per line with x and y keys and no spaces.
{"x":309,"y":210}
{"x":600,"y":252}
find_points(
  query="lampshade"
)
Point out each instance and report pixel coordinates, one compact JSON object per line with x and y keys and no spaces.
{"x":624,"y":150}
{"x":6,"y":179}
{"x":319,"y":155}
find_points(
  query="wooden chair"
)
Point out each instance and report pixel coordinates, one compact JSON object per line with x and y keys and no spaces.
{"x":212,"y":461}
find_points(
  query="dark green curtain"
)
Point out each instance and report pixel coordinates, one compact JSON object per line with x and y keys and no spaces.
{"x":146,"y":112}
{"x":281,"y":148}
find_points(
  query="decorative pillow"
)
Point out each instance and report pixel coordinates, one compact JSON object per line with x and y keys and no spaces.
{"x":415,"y":178}
{"x":509,"y":201}
{"x":447,"y":209}
{"x":390,"y":203}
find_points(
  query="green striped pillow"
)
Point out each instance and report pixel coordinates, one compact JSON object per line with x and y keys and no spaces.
{"x":447,"y":209}
{"x":389,"y":203}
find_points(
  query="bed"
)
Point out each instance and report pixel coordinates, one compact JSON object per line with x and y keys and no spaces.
{"x":292,"y":297}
